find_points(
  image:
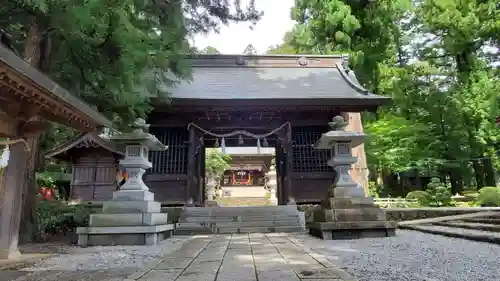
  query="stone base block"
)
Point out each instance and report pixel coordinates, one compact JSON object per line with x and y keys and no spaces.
{"x":348,"y":202}
{"x":10,"y":254}
{"x":134,"y":219}
{"x":123,"y":235}
{"x":120,"y":207}
{"x":212,"y":203}
{"x":347,"y":218}
{"x":133,"y":195}
{"x":360,"y":214}
{"x":352,"y":230}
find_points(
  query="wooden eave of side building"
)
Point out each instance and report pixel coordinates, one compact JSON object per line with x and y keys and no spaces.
{"x":26,"y":92}
{"x":229,"y":82}
{"x":82,"y":141}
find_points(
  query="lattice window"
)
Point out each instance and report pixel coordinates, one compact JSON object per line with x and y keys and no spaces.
{"x":305,"y":157}
{"x":174,"y":159}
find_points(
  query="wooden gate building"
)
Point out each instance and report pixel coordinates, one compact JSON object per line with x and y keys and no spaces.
{"x":283,"y":101}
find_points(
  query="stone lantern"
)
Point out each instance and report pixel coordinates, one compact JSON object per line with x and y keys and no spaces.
{"x":132,"y":217}
{"x":346,"y":212}
{"x":210,"y":188}
{"x":272,"y":183}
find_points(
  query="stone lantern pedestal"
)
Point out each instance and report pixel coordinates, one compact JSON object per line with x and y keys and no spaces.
{"x":272,"y":183}
{"x":347,"y":212}
{"x":132,"y":217}
{"x":210,"y":188}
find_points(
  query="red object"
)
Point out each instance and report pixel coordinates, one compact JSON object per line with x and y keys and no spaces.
{"x":47,"y":193}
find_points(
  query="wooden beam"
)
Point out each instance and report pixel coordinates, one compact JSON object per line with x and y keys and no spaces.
{"x":9,"y":127}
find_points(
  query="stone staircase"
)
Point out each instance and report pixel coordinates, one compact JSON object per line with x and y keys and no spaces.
{"x":484,"y":227}
{"x":263,"y":219}
{"x":242,"y":201}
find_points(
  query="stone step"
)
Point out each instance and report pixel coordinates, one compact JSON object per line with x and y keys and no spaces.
{"x":242,"y":209}
{"x":239,"y":219}
{"x":239,"y":201}
{"x":484,"y":220}
{"x":187,"y":218}
{"x":237,"y":212}
{"x":469,"y":234}
{"x":229,"y":230}
{"x":240,"y":224}
{"x":470,"y":225}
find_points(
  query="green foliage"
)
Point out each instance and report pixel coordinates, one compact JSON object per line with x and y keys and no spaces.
{"x":55,"y":217}
{"x":50,"y":218}
{"x":432,"y":58}
{"x":439,"y":194}
{"x":216,"y":162}
{"x":421,"y":196}
{"x":209,"y":50}
{"x":374,"y":189}
{"x":116,"y":54}
{"x":489,"y":196}
{"x":81,"y":215}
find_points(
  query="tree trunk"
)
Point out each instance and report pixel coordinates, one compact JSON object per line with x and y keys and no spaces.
{"x":478,"y":172}
{"x":36,"y":52}
{"x":28,"y":230}
{"x":489,"y":172}
{"x":456,"y":181}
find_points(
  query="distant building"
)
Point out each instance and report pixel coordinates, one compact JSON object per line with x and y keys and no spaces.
{"x":248,"y":165}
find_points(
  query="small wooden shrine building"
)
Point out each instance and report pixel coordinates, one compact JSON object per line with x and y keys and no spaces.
{"x":94,"y":165}
{"x":286,"y":100}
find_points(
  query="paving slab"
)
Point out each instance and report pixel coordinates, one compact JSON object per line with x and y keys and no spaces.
{"x":161,"y":275}
{"x":174,"y":263}
{"x":221,"y":257}
{"x":245,"y":257}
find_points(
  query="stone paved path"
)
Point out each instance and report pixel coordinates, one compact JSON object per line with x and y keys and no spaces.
{"x":241,"y":257}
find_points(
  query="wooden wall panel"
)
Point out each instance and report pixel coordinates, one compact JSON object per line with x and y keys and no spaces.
{"x":311,"y":187}
{"x":168,"y":189}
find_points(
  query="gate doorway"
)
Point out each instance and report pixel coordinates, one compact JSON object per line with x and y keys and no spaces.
{"x":267,"y":145}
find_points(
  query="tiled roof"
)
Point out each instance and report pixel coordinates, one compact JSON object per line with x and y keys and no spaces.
{"x":271,"y":77}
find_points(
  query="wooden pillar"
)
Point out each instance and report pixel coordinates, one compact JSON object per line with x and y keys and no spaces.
{"x":190,"y":166}
{"x":201,"y":172}
{"x":11,"y":189}
{"x":288,"y":164}
{"x":359,"y":170}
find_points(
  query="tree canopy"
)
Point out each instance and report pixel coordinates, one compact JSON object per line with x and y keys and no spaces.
{"x":119,"y":56}
{"x":209,"y":50}
{"x":250,"y":50}
{"x":114,"y":54}
{"x":437,"y":59}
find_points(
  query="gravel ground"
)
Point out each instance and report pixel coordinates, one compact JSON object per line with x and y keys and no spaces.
{"x":411,"y":256}
{"x":114,"y":257}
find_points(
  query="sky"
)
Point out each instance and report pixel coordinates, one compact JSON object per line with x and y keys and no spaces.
{"x":233,"y":39}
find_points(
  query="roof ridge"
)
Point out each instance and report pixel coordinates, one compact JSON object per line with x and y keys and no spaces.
{"x":351,"y":80}
{"x":92,"y":136}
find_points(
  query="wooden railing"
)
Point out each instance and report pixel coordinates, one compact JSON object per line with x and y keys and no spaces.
{"x":394,"y":202}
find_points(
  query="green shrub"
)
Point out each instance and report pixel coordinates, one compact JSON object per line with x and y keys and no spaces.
{"x":467,"y":204}
{"x":50,"y":218}
{"x":81,"y":216}
{"x":439,"y":193}
{"x":489,"y":196}
{"x":421,"y":196}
